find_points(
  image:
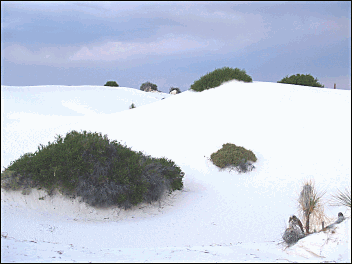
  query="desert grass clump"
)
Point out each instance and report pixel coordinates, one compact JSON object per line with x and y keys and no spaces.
{"x":234,"y":157}
{"x":342,"y":198}
{"x":311,"y":205}
{"x":219,"y":76}
{"x":102,"y":172}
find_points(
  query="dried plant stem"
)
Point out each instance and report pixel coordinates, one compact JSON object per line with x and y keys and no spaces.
{"x":310,"y":203}
{"x":342,"y":198}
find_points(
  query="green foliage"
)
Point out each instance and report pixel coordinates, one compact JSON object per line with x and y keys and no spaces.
{"x":111,"y":83}
{"x":100,"y":171}
{"x":232,"y":156}
{"x":219,"y":76}
{"x":175,"y":88}
{"x":132,"y":106}
{"x":302,"y":79}
{"x":148,"y":86}
{"x":11,"y":180}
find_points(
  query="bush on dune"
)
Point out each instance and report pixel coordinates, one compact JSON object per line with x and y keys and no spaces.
{"x":233,"y":157}
{"x":302,"y":79}
{"x":175,"y":89}
{"x":111,"y":83}
{"x":148,"y":87}
{"x":102,"y":172}
{"x":219,"y":76}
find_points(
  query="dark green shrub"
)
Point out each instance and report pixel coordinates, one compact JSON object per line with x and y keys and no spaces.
{"x":302,"y":79}
{"x":219,"y":76}
{"x":132,"y":106}
{"x":100,"y":171}
{"x":233,"y":157}
{"x":11,"y":180}
{"x":148,"y":86}
{"x":175,"y":88}
{"x":111,"y":83}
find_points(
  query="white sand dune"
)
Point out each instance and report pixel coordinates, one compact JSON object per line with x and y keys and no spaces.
{"x":296,"y":133}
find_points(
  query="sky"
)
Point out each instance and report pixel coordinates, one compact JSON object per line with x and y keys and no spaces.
{"x":173,"y":44}
{"x":297,"y":133}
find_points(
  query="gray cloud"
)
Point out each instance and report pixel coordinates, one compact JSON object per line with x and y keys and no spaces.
{"x":130,"y":34}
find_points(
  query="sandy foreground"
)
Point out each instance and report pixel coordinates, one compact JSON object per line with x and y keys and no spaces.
{"x":34,"y":228}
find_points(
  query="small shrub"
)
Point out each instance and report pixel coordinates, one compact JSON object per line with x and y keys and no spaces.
{"x":111,"y":83}
{"x":302,"y":79}
{"x":233,"y":157}
{"x":148,"y":86}
{"x":102,"y":172}
{"x":219,"y":76}
{"x":175,"y":88}
{"x":132,"y":106}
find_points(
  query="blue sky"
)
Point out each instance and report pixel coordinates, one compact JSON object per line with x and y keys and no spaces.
{"x":172,"y":43}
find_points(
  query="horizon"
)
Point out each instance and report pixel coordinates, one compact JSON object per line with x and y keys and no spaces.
{"x":173,"y":44}
{"x":165,"y":92}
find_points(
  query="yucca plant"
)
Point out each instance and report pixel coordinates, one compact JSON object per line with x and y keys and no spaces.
{"x":342,"y":198}
{"x":310,"y":203}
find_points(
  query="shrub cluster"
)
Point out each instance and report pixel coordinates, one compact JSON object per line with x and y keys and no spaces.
{"x":175,"y":88}
{"x":219,"y":76}
{"x":302,"y":79}
{"x":234,"y":157}
{"x":100,"y":171}
{"x":148,"y":86}
{"x":111,"y":83}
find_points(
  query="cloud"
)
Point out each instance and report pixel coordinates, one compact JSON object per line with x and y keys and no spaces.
{"x":136,"y":33}
{"x":339,"y":26}
{"x":112,"y":51}
{"x":51,"y":56}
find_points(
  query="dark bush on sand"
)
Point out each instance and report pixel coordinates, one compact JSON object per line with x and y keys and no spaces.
{"x":111,"y":83}
{"x":234,"y":157}
{"x":219,"y":76}
{"x":102,"y":172}
{"x":302,"y":79}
